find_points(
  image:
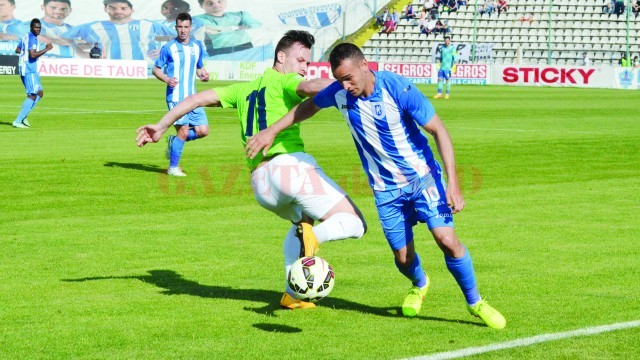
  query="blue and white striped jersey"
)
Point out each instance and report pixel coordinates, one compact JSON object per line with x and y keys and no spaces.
{"x":27,"y":64}
{"x":181,"y":61}
{"x":55,"y":32}
{"x":11,"y":27}
{"x":393,"y":150}
{"x":130,"y":41}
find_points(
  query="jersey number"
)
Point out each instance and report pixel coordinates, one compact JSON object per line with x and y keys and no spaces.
{"x":256,"y":96}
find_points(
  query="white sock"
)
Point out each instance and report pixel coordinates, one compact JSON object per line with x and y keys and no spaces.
{"x":291,"y":250}
{"x":338,"y":227}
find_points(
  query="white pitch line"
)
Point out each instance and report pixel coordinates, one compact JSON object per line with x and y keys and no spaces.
{"x":543,"y":131}
{"x":528,"y":341}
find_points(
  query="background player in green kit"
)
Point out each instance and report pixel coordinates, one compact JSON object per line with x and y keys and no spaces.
{"x":448,"y":56}
{"x":286,"y":180}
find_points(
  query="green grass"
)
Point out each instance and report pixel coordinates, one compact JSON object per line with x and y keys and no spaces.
{"x":103,"y":256}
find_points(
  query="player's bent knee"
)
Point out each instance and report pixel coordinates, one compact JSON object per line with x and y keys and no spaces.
{"x":202,"y":132}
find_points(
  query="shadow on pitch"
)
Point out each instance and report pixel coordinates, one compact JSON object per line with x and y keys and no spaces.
{"x":174,"y":284}
{"x":132,"y":166}
{"x":6,"y":123}
{"x":277,"y":328}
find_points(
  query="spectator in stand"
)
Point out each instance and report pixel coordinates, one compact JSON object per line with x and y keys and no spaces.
{"x":636,"y":62}
{"x":388,"y":27}
{"x":487,"y":8}
{"x":450,"y":6}
{"x":430,"y":26}
{"x":382,"y":19}
{"x":432,"y":8}
{"x":623,"y":60}
{"x":635,"y":7}
{"x":502,"y":6}
{"x":394,"y":18}
{"x":585,"y":59}
{"x":462,"y":3}
{"x":423,"y":18}
{"x":408,"y":12}
{"x":608,"y":8}
{"x":618,"y":8}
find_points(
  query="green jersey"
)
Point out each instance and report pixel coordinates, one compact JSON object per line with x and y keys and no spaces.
{"x":230,"y":36}
{"x":448,"y":55}
{"x":261,"y":103}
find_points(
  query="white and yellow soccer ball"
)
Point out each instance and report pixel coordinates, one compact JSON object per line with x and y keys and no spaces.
{"x":311,"y":278}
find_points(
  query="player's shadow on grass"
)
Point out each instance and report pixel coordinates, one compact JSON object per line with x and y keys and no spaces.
{"x":132,"y":166}
{"x":6,"y":123}
{"x":174,"y":284}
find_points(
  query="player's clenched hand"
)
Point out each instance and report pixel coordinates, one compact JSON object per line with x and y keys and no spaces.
{"x":454,"y":198}
{"x":173,"y":82}
{"x":204,"y":75}
{"x":260,"y":141}
{"x":148,"y":133}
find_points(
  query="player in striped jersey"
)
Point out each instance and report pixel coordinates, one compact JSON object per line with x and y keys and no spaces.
{"x":384,"y":113}
{"x":286,"y":181}
{"x":29,"y":50}
{"x":11,"y":29}
{"x":178,"y":65}
{"x":53,"y":26}
{"x":121,"y":37}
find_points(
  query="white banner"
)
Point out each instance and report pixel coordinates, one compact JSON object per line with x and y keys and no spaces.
{"x":236,"y":70}
{"x":484,"y":52}
{"x":240,"y":31}
{"x":90,"y":68}
{"x":473,"y":74}
{"x":578,"y":76}
{"x":627,"y":78}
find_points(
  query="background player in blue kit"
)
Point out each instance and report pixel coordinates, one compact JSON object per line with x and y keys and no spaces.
{"x":448,"y":57}
{"x":179,"y":63}
{"x":382,"y":109}
{"x":29,"y":50}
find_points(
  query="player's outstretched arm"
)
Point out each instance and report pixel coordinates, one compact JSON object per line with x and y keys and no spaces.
{"x":262,"y":141}
{"x":312,"y":87}
{"x":153,"y":132}
{"x":436,"y":128}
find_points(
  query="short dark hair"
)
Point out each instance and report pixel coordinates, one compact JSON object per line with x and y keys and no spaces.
{"x":447,"y":37}
{"x":34,"y":21}
{"x":13,"y":2}
{"x":183,"y":17}
{"x":107,"y":2}
{"x":291,"y":37}
{"x":343,"y":52}
{"x":68,"y":2}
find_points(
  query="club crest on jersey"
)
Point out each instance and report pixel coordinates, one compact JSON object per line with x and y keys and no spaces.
{"x":378,"y":110}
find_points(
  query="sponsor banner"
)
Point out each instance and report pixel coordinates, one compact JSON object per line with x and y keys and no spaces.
{"x":322,"y":70}
{"x":578,"y":76}
{"x":245,"y":32}
{"x":236,"y":70}
{"x":471,"y":74}
{"x":8,"y":65}
{"x":416,"y":73}
{"x":484,"y":52}
{"x":627,"y":78}
{"x":91,"y":68}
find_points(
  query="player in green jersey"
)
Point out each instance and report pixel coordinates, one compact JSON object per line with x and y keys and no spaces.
{"x":448,"y":57}
{"x":286,"y":180}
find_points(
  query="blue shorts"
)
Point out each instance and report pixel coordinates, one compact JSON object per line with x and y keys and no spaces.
{"x":444,"y":74}
{"x":196,"y":117}
{"x":424,"y":201}
{"x":31,"y":83}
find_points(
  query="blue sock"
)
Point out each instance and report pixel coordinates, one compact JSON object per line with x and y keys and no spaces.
{"x":192,"y":135}
{"x":27,"y":105}
{"x":176,"y":151}
{"x":414,"y":272}
{"x":462,"y":271}
{"x":37,"y":100}
{"x":439,"y":87}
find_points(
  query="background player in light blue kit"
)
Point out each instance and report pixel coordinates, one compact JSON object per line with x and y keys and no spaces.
{"x":29,"y":50}
{"x":179,"y":63}
{"x":383,"y":111}
{"x":448,"y":57}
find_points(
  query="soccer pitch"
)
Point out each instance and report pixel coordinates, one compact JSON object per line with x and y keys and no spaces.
{"x":104,"y":256}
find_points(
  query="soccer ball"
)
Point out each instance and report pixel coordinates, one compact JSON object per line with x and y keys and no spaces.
{"x":310,"y":278}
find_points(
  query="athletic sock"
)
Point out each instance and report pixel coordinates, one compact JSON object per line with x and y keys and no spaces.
{"x":414,"y":272}
{"x":291,"y":250}
{"x":439,"y":87}
{"x":448,"y":87}
{"x":27,"y":105}
{"x":462,"y":271}
{"x":338,"y":227}
{"x":177,"y":145}
{"x":193,"y":135}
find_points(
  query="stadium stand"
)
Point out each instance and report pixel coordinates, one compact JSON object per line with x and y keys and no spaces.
{"x":520,"y":34}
